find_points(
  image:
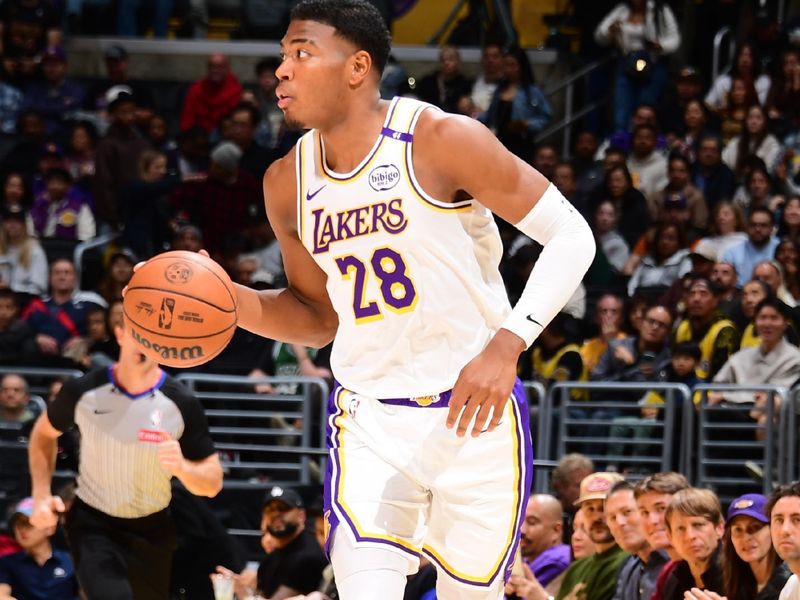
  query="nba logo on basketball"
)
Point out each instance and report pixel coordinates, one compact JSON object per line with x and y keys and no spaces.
{"x":166,"y":312}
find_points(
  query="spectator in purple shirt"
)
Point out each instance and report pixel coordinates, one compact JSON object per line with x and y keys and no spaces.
{"x":541,"y":541}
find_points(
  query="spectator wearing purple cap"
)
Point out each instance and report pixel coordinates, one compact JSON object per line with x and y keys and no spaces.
{"x":39,"y":571}
{"x":752,"y":569}
{"x":56,"y":96}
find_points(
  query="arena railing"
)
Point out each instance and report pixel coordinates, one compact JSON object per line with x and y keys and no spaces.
{"x":265,"y":438}
{"x":605,"y":421}
{"x":788,"y":446}
{"x":729,"y":439}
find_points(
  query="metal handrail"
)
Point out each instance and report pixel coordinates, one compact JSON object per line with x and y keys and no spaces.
{"x":552,"y":88}
{"x":306,"y":437}
{"x":769,"y":443}
{"x":570,"y":114}
{"x":670,"y":391}
{"x":84,"y":247}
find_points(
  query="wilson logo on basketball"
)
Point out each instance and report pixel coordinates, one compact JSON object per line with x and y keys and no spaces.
{"x":169,"y":352}
{"x":384,"y":177}
{"x":178,"y":272}
{"x":166,"y":312}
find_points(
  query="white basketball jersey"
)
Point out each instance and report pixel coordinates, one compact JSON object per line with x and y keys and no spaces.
{"x":414,"y":280}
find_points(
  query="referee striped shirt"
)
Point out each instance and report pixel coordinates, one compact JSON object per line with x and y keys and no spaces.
{"x":119,"y":473}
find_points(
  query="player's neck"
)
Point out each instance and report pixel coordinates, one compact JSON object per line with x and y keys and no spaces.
{"x":350,"y":138}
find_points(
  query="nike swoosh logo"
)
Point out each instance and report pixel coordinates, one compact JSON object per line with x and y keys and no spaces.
{"x":102,"y":412}
{"x":310,"y":196}
{"x":530,"y":318}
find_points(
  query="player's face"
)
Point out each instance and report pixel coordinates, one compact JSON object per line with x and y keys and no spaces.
{"x":750,"y":538}
{"x":785,"y":528}
{"x":694,"y":538}
{"x":315,"y":74}
{"x":652,"y":507}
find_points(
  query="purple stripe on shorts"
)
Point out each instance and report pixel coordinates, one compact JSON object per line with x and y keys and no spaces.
{"x":332,"y":482}
{"x":525,"y":449}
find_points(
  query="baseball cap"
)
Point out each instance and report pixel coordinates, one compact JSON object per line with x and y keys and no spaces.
{"x":56,"y":53}
{"x":751,"y":505}
{"x":115,"y":52}
{"x":284,"y":494}
{"x":22,"y":508}
{"x":117,"y":94}
{"x":705,"y":249}
{"x":675,"y":200}
{"x":227,"y":155}
{"x":596,"y":486}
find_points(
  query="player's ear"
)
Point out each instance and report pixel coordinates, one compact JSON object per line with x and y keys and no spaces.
{"x":360,"y":66}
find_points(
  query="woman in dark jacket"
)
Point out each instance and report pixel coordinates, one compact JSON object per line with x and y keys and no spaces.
{"x":519,"y":109}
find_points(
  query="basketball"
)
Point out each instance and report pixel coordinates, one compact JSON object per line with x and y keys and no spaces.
{"x":180,"y":308}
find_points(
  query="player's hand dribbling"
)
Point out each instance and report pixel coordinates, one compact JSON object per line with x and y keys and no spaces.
{"x":170,"y":456}
{"x":484,"y":385}
{"x":45,"y":512}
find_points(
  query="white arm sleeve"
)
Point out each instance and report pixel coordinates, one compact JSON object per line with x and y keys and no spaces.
{"x":568,"y":251}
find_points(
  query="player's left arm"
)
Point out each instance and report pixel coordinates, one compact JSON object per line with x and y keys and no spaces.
{"x":512,"y":189}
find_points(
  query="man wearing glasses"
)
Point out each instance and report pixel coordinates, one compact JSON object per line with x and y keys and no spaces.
{"x":638,"y":357}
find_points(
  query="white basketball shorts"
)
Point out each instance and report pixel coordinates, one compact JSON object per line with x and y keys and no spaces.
{"x":399,"y":478}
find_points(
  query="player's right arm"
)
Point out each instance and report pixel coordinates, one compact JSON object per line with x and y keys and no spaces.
{"x":42,"y":448}
{"x":302,"y":312}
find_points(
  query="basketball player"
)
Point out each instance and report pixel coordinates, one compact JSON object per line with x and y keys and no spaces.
{"x":384,"y":217}
{"x":139,"y":428}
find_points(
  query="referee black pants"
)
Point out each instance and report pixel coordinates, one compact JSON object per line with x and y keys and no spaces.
{"x":121,"y":559}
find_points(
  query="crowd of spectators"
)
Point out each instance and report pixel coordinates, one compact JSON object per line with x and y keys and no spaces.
{"x":691,"y":186}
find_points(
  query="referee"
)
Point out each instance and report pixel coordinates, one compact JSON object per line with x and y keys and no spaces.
{"x":138,"y":427}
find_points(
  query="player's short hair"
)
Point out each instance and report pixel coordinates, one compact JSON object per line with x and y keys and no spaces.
{"x":695,"y":502}
{"x":357,"y":21}
{"x":668,"y":482}
{"x":782,"y":491}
